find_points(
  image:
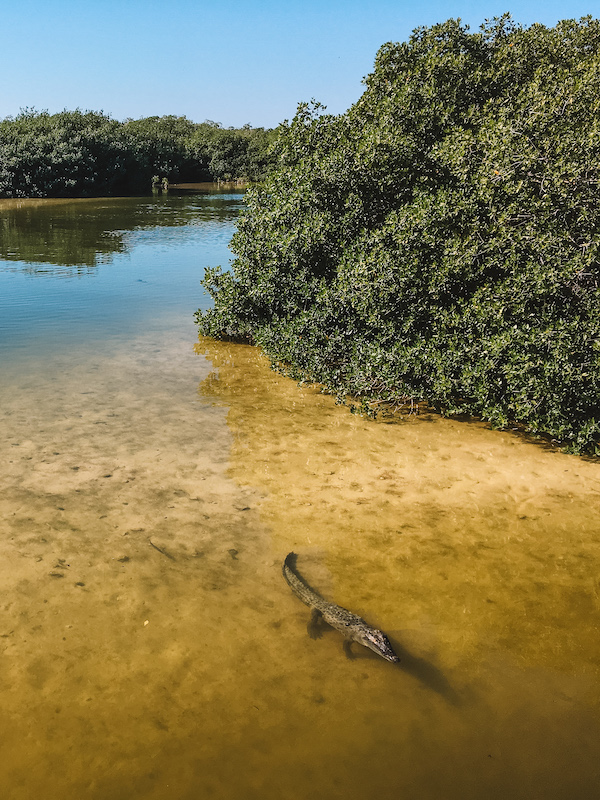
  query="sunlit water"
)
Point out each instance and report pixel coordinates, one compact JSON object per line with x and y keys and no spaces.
{"x":151,"y":487}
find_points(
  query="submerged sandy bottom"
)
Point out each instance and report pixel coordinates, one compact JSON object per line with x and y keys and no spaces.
{"x":151,"y":649}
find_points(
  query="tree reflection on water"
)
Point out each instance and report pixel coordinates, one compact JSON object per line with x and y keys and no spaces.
{"x":82,"y":234}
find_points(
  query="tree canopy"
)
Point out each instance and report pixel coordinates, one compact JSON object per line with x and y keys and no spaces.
{"x":439,"y":240}
{"x":77,"y":153}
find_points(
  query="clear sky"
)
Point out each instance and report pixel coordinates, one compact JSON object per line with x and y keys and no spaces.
{"x":231,"y":61}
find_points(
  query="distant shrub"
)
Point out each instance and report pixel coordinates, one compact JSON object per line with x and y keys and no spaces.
{"x":76,"y":153}
{"x":440,"y":239}
{"x":71,"y":153}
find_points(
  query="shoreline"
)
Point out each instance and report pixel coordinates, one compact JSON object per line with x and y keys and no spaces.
{"x":208,"y":187}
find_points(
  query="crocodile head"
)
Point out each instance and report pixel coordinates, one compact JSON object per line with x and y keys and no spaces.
{"x":378,"y":642}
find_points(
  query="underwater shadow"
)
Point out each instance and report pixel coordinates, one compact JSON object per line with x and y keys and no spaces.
{"x":426,"y":673}
{"x":419,"y":668}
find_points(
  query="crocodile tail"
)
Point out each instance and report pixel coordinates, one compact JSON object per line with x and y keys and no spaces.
{"x":297,"y":584}
{"x":290,"y":561}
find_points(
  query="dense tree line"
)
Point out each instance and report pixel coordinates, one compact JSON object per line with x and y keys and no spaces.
{"x":78,"y":153}
{"x":440,"y":239}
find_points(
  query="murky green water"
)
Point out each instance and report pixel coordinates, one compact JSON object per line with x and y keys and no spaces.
{"x":151,"y":487}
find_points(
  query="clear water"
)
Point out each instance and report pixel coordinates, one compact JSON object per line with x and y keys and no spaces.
{"x":152,"y":485}
{"x":102,"y":269}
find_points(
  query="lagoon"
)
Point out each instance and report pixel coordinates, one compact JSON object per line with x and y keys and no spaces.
{"x":153,"y":483}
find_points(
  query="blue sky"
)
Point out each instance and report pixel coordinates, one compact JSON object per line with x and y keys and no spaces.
{"x":232,"y":61}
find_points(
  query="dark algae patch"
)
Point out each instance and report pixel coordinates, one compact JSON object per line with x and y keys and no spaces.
{"x":438,"y":241}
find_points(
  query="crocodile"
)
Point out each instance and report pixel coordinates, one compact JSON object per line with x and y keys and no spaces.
{"x":351,"y":626}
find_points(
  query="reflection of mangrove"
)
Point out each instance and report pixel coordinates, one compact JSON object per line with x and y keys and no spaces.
{"x":85,"y":233}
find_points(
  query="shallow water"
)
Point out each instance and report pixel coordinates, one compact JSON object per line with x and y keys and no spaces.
{"x":151,"y":489}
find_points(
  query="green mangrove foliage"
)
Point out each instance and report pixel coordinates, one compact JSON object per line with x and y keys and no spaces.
{"x":440,"y":239}
{"x":78,"y":154}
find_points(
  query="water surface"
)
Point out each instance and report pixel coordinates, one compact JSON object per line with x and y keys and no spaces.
{"x":104,"y":268}
{"x":151,"y":487}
